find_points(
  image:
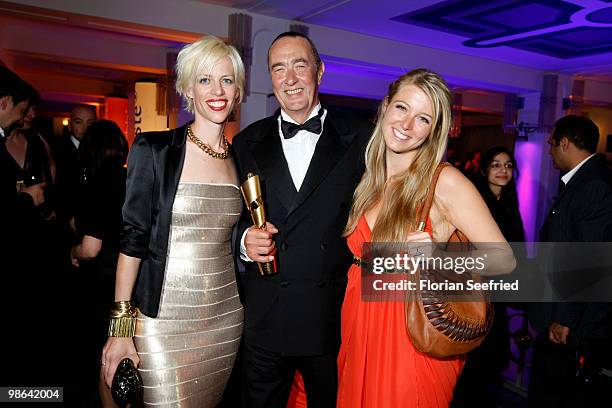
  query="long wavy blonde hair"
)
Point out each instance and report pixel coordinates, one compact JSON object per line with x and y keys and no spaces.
{"x":405,"y":192}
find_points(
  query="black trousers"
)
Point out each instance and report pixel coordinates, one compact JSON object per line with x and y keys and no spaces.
{"x":554,"y":381}
{"x":267,"y":378}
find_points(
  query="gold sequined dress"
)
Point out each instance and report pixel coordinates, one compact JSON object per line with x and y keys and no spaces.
{"x":187,"y":352}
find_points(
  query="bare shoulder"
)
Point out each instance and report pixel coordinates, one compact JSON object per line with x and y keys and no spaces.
{"x":451,"y":182}
{"x":461,"y":204}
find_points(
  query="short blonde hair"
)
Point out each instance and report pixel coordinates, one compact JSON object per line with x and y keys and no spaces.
{"x":201,"y":56}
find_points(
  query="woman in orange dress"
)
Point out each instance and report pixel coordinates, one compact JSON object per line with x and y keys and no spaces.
{"x":377,"y":365}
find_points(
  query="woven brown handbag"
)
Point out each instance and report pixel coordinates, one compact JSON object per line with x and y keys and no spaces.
{"x":439,"y":327}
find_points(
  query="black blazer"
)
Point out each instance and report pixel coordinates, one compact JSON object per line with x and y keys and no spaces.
{"x":155,"y":164}
{"x":297,"y":311}
{"x":581,"y":213}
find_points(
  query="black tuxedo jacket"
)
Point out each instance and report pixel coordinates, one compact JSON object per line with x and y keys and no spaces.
{"x":155,"y":164}
{"x":581,"y":213}
{"x":297,"y":311}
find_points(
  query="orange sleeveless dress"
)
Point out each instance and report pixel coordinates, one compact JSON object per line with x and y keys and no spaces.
{"x":378,"y":367}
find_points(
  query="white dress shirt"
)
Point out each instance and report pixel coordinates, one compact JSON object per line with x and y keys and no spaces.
{"x":568,"y":176}
{"x":1,"y":132}
{"x":298,"y":152}
{"x":300,"y":148}
{"x":76,"y":142}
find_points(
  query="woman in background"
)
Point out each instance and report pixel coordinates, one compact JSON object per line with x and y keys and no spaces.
{"x":99,"y":198}
{"x":484,"y":365}
{"x":182,"y":328}
{"x":102,"y":156}
{"x":31,"y":151}
{"x":497,"y":185}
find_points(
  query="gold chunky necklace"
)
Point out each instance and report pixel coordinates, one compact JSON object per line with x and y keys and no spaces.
{"x":206,"y":148}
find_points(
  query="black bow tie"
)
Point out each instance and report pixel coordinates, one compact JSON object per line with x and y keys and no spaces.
{"x":313,"y":125}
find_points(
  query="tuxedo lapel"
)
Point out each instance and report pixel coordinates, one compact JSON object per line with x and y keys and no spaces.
{"x":275,"y":176}
{"x":330,"y":149}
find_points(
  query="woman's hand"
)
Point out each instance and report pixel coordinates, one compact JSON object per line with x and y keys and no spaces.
{"x":418,"y":236}
{"x":414,"y":238}
{"x":115,"y":350}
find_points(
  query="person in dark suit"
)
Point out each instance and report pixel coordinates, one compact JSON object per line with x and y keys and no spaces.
{"x":573,"y":344}
{"x":66,"y":152}
{"x":309,"y":159}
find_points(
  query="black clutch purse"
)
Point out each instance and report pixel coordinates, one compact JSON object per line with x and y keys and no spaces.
{"x":126,"y":388}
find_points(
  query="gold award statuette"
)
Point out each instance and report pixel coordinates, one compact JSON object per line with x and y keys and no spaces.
{"x":251,"y":191}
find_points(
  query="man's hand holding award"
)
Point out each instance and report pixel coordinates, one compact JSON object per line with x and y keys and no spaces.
{"x":251,"y":192}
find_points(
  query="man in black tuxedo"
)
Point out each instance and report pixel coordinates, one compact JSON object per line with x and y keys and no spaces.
{"x":574,"y":335}
{"x":309,"y":160}
{"x":67,"y":160}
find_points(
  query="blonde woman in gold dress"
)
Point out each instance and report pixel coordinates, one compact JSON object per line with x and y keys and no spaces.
{"x":175,"y":275}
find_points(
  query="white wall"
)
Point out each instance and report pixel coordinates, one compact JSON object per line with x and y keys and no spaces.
{"x":256,"y":106}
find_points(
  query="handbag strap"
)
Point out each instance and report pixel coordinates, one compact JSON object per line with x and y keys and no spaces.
{"x":430,"y":196}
